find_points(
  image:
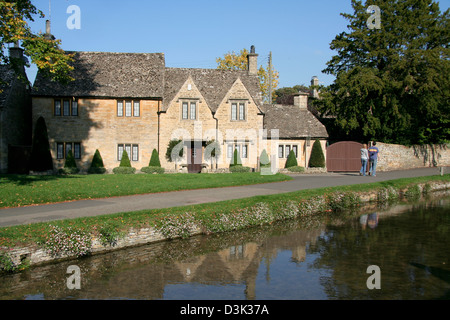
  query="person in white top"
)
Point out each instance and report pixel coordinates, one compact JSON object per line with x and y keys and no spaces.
{"x":364,"y":159}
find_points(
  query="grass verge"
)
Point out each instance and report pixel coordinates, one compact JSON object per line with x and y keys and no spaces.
{"x":213,"y":217}
{"x":22,"y":190}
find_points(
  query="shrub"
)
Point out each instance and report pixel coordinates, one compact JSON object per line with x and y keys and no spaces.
{"x":291,"y":160}
{"x":154,"y":160}
{"x":240,"y":169}
{"x":296,"y":169}
{"x":171,"y":154}
{"x":40,"y":158}
{"x":124,"y":170}
{"x":125,"y":165}
{"x":125,"y":161}
{"x":236,"y":161}
{"x":317,"y":159}
{"x":151,"y":170}
{"x":97,"y":166}
{"x":70,"y":166}
{"x":264,"y":161}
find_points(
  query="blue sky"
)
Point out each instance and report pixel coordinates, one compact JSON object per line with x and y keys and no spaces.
{"x":192,"y":34}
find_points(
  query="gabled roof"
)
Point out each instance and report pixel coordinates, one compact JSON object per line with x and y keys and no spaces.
{"x":292,"y":122}
{"x":111,"y":75}
{"x":213,"y":84}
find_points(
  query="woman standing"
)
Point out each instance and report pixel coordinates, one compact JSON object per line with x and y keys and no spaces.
{"x":364,"y":159}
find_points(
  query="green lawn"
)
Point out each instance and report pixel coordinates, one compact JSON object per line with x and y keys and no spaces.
{"x":22,"y":190}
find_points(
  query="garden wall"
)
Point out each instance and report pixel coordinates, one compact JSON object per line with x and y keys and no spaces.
{"x":399,"y":157}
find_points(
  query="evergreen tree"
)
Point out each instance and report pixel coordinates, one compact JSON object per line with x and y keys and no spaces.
{"x":264,"y":161}
{"x":291,"y":161}
{"x":97,"y":165}
{"x":236,"y":161}
{"x":317,"y":158}
{"x":393,"y":83}
{"x":70,"y":161}
{"x":41,"y":158}
{"x":125,"y":161}
{"x":154,"y":160}
{"x":97,"y":161}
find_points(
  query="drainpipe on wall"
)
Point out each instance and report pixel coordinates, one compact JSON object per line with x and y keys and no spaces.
{"x":217,"y":134}
{"x":159,"y":121}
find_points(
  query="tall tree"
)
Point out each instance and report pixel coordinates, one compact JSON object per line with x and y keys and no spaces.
{"x":42,"y":49}
{"x":392,"y":83}
{"x":238,"y":61}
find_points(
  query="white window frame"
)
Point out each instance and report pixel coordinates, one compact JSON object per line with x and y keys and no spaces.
{"x":132,"y":150}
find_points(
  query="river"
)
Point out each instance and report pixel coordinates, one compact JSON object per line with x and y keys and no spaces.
{"x":396,"y":253}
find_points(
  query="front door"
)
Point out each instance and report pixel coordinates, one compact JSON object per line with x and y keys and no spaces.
{"x":195,"y":154}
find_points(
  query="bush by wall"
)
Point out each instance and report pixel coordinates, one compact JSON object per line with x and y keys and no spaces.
{"x":296,"y":169}
{"x":236,"y":160}
{"x":125,"y":165}
{"x":240,"y":169}
{"x":97,"y":166}
{"x":70,"y":166}
{"x":154,"y":160}
{"x":291,"y":160}
{"x":41,"y":157}
{"x":317,"y":159}
{"x":264,"y":161}
{"x":152,"y":170}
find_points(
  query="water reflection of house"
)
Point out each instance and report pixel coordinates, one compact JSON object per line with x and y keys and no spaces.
{"x":238,"y":265}
{"x":138,"y":274}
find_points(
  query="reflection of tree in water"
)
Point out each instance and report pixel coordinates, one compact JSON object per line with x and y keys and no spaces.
{"x":420,"y":235}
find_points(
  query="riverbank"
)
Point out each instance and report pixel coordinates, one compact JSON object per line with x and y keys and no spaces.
{"x":35,"y":244}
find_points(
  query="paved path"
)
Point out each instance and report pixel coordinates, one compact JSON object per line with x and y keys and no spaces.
{"x":84,"y":208}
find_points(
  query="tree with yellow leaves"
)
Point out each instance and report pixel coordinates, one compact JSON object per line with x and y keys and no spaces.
{"x":234,"y":61}
{"x":43,"y":50}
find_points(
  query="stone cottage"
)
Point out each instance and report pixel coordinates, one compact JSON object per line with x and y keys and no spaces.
{"x":15,"y":115}
{"x":133,"y":102}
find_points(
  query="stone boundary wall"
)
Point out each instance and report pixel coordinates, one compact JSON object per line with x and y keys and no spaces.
{"x":399,"y":157}
{"x":36,"y":255}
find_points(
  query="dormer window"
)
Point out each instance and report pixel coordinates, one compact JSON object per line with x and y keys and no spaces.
{"x":238,"y":111}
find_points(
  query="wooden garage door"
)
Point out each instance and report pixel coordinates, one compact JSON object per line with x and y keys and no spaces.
{"x":344,"y":156}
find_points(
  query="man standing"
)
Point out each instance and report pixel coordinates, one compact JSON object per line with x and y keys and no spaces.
{"x":374,"y":155}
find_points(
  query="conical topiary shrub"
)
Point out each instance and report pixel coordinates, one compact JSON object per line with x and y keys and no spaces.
{"x":154,"y":160}
{"x":291,"y":160}
{"x":97,"y":166}
{"x":41,"y":157}
{"x":70,"y":166}
{"x":264,"y":161}
{"x":317,"y":159}
{"x":125,"y":165}
{"x":236,"y":160}
{"x":236,"y":163}
{"x":154,"y":164}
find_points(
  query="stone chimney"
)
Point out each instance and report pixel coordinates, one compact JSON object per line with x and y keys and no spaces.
{"x":315,"y":82}
{"x":301,"y":100}
{"x":252,"y":59}
{"x":48,"y":32}
{"x":17,"y":58}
